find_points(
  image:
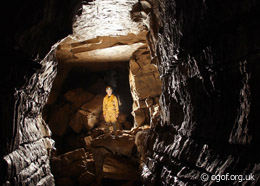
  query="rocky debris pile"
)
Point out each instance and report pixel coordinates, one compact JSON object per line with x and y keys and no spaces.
{"x":103,"y":160}
{"x":85,"y":154}
{"x":80,"y":111}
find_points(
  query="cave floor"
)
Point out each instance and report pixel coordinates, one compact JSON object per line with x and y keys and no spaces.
{"x":106,"y":159}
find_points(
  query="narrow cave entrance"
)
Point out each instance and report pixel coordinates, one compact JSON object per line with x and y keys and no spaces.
{"x":107,"y":48}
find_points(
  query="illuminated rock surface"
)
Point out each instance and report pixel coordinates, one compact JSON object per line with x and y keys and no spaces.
{"x":207,"y":53}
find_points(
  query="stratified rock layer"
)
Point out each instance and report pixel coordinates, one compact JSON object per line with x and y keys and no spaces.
{"x":28,"y":163}
{"x":26,"y":80}
{"x":208,"y":55}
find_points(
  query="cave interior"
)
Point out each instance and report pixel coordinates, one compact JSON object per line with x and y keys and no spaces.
{"x":186,"y":74}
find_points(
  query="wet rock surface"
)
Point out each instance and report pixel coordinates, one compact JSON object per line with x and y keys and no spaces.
{"x":209,"y":73}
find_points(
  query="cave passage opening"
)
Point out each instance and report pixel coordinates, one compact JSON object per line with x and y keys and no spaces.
{"x":84,"y":85}
{"x":107,"y":48}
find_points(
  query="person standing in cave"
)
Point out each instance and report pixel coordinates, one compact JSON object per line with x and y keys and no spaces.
{"x":110,"y":110}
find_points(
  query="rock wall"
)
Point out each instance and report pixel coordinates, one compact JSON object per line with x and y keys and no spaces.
{"x":28,"y":163}
{"x":208,"y":55}
{"x":144,"y":77}
{"x":145,"y":87}
{"x":26,"y":79}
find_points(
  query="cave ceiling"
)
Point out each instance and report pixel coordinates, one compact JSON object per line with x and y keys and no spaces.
{"x":103,"y":32}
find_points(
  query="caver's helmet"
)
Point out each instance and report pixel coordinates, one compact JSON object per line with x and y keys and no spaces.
{"x":109,"y":88}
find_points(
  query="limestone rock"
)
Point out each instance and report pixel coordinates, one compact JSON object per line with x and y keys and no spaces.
{"x":91,"y":164}
{"x":156,"y":100}
{"x":145,"y":85}
{"x":94,"y":106}
{"x":71,"y":164}
{"x":144,"y":76}
{"x":88,"y":140}
{"x":121,"y":118}
{"x":127,"y":125}
{"x":146,"y":6}
{"x":119,"y":168}
{"x":140,"y":104}
{"x":140,"y":142}
{"x":79,"y":120}
{"x":98,"y":156}
{"x":83,"y":119}
{"x":121,"y":145}
{"x":111,"y":22}
{"x":97,"y":132}
{"x":86,"y":178}
{"x":149,"y":102}
{"x":60,"y":119}
{"x":92,"y":120}
{"x":78,"y":97}
{"x":44,"y":128}
{"x":88,"y":115}
{"x":139,"y":117}
{"x":154,"y":111}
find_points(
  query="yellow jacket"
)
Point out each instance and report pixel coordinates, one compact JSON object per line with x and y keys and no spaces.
{"x":110,"y":105}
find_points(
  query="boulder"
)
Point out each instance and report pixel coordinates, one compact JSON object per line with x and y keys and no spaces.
{"x":120,"y":168}
{"x":149,"y":102}
{"x":97,"y":132}
{"x":71,"y":164}
{"x":139,"y":117}
{"x":86,"y":178}
{"x":88,"y":115}
{"x":82,"y":119}
{"x":79,"y":120}
{"x":94,"y":106}
{"x":144,"y":80}
{"x":98,"y":156}
{"x":88,"y":140}
{"x":92,"y":120}
{"x":157,"y":99}
{"x":78,"y":97}
{"x":91,"y":165}
{"x":121,"y":145}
